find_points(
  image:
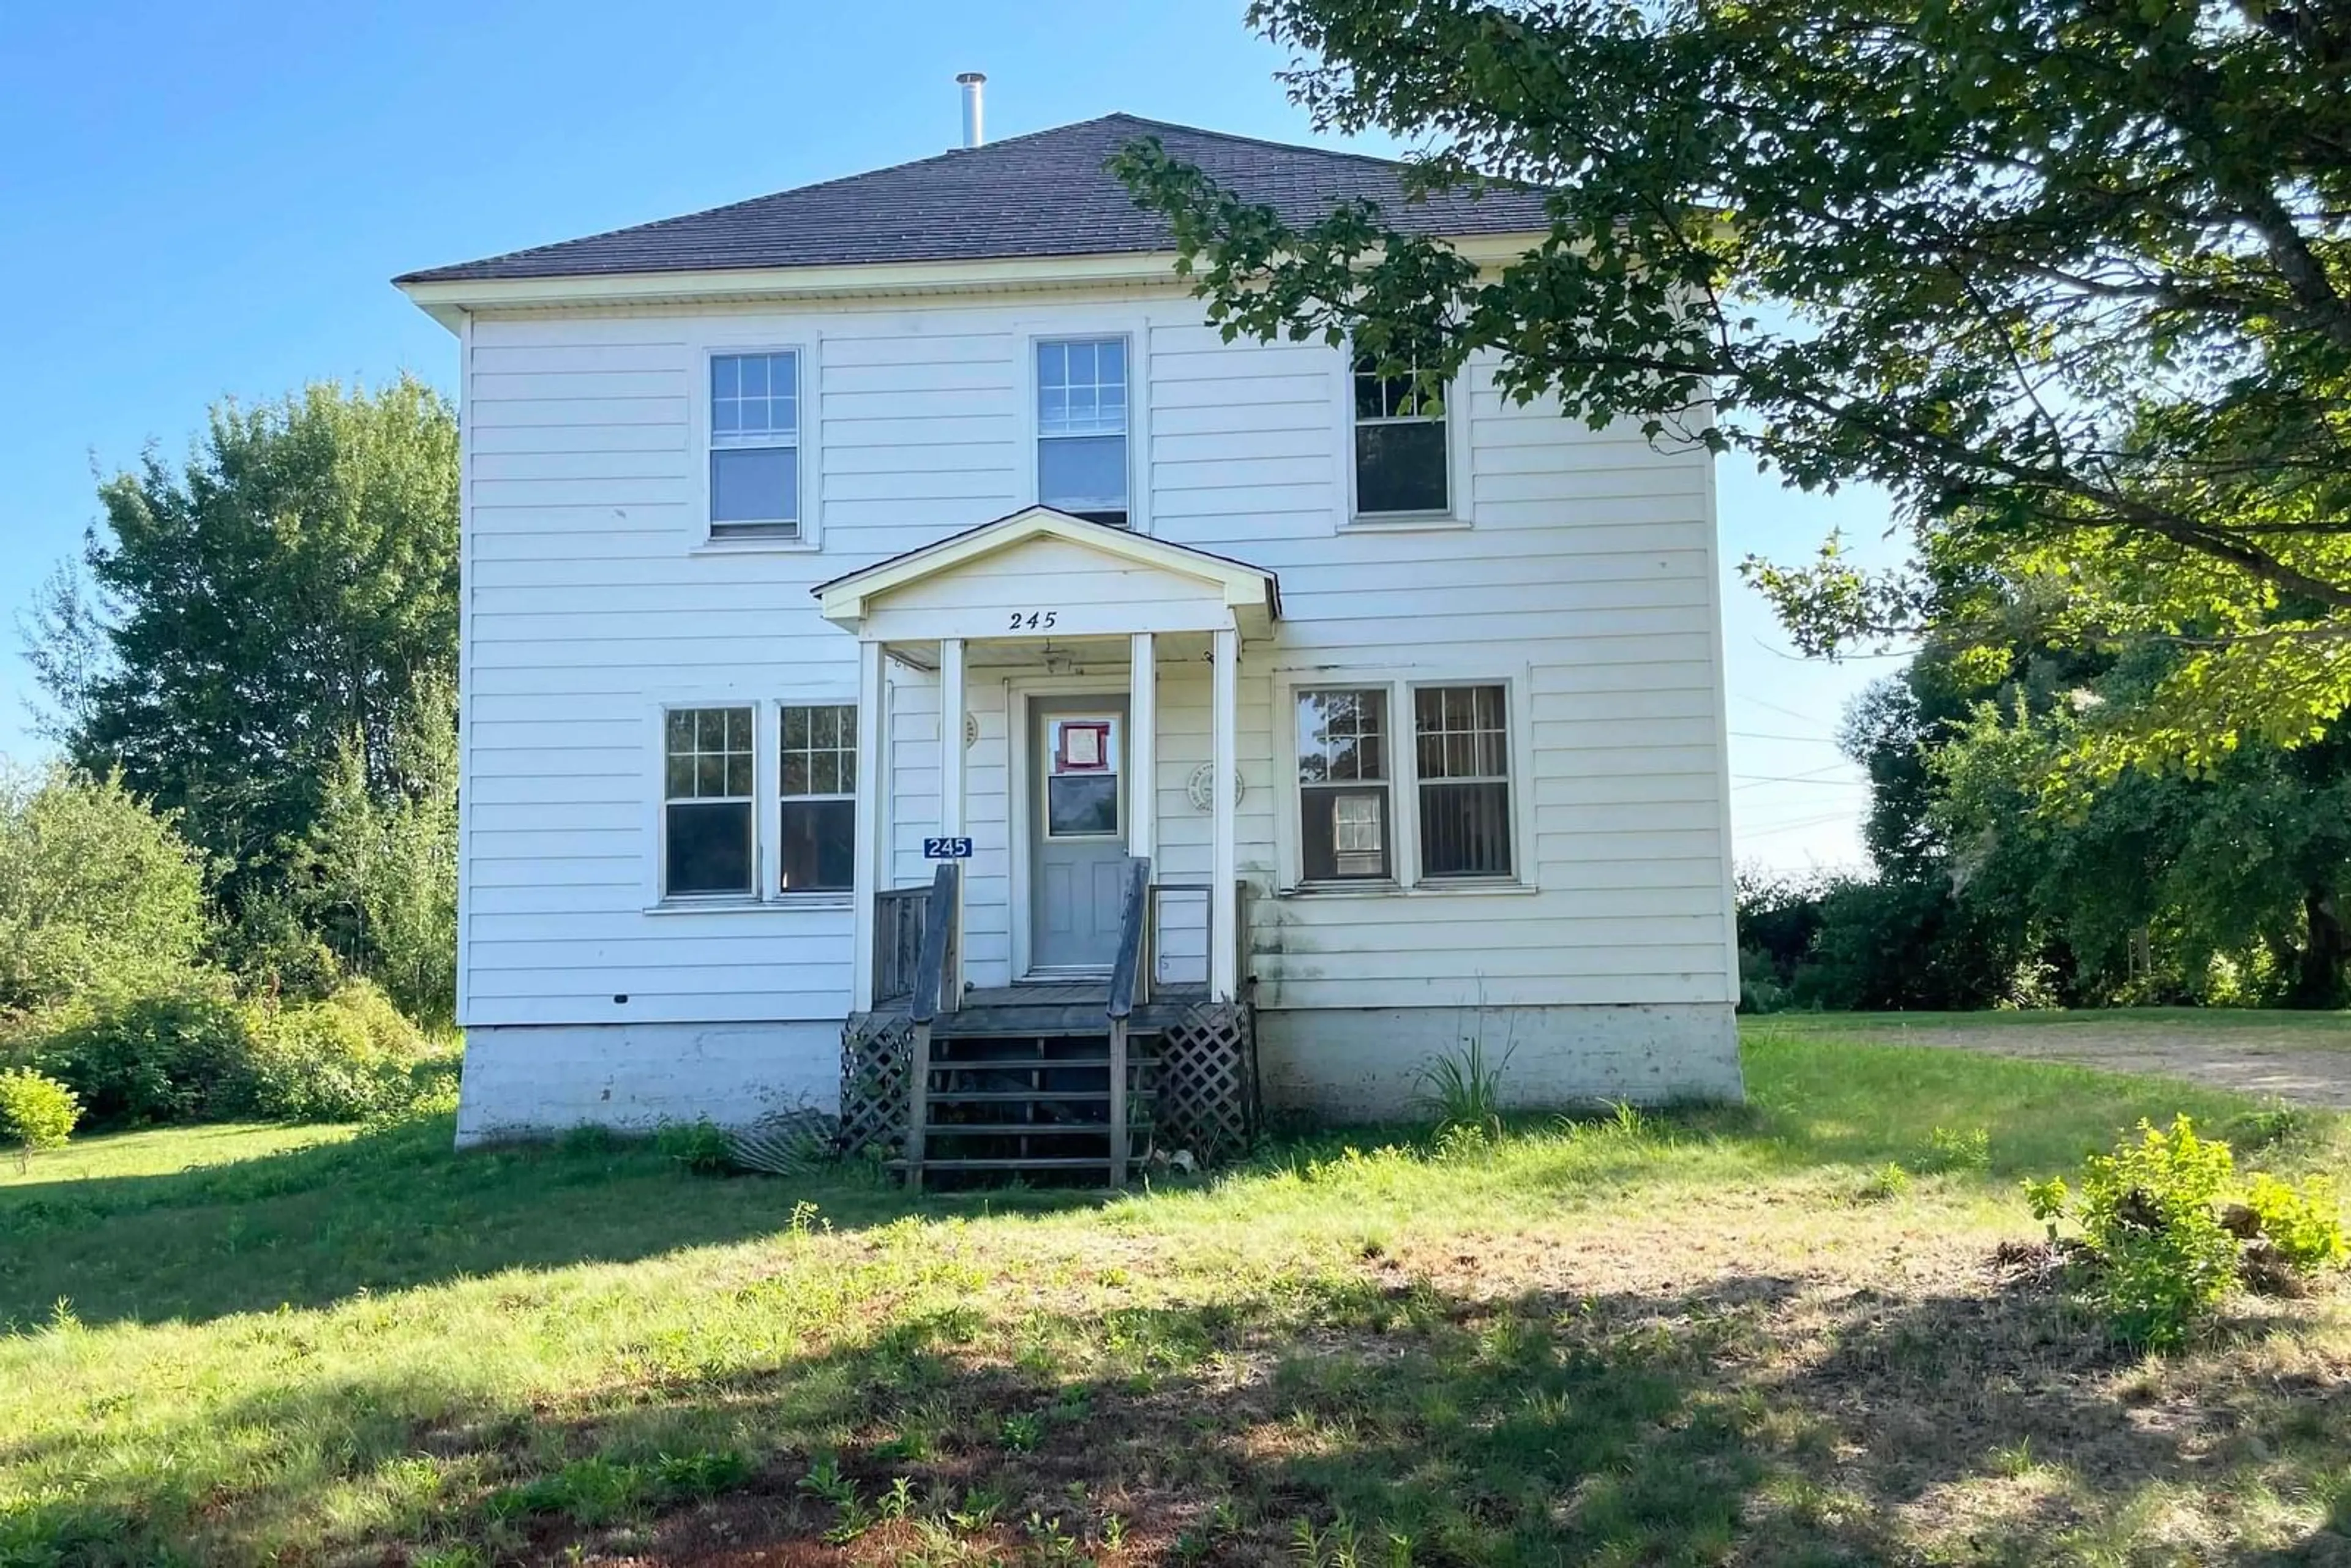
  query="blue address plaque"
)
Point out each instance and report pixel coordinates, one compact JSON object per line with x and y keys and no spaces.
{"x":946,"y":849}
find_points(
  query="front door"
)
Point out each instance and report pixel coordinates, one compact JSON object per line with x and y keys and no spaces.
{"x":1077,"y":749}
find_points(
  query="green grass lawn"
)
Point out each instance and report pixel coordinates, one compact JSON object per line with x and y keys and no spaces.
{"x":1720,"y":1337}
{"x":2314,"y":1029}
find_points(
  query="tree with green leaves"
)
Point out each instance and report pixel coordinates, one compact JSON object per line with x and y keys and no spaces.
{"x":241,"y":619}
{"x":2070,"y":279}
{"x":98,"y":893}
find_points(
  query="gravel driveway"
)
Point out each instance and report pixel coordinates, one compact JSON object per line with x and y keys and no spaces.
{"x":2303,"y":1066}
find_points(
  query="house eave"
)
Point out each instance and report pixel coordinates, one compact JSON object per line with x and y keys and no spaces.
{"x":450,"y":300}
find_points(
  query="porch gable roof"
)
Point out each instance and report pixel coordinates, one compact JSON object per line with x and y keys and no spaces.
{"x":1252,"y":594}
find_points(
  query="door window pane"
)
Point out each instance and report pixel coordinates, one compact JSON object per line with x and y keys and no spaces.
{"x":1079,"y":805}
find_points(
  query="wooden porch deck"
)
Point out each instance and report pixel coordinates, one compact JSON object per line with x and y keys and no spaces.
{"x":1060,"y":1007}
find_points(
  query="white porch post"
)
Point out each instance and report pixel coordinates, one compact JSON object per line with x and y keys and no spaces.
{"x":1143,"y":750}
{"x":1224,"y":896}
{"x":868,"y":832}
{"x":953,"y":822}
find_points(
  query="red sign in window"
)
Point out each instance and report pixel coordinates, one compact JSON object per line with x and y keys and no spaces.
{"x":1084,"y":747}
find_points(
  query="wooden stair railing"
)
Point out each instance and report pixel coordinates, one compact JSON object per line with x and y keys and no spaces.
{"x":940,"y":938}
{"x":1128,"y":983}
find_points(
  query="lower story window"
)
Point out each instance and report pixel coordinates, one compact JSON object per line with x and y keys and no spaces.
{"x":818,"y":790}
{"x":1461,"y":746}
{"x":1343,"y":784}
{"x":707,"y":788}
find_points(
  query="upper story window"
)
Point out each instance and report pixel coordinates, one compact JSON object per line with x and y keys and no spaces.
{"x":1081,"y":461}
{"x":1400,"y":446}
{"x":755,"y":445}
{"x":817,"y":804}
{"x":707,"y":788}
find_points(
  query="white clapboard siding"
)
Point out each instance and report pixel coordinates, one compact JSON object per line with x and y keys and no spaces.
{"x":1585,"y":574}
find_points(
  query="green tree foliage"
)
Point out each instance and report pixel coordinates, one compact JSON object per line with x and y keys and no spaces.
{"x":2072,"y":283}
{"x":380,"y":867}
{"x":36,"y":1112}
{"x":96,"y":891}
{"x":285,"y":592}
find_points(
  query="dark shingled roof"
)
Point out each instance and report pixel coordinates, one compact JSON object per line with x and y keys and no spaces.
{"x":1041,"y":195}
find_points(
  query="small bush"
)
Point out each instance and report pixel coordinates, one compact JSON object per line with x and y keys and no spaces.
{"x":2161,"y":1247}
{"x":700,"y":1145}
{"x":36,"y":1112}
{"x":178,"y":1055}
{"x":352,"y":1057}
{"x":2304,"y":1224}
{"x":1956,"y":1149}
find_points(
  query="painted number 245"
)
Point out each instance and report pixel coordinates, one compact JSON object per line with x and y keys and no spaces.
{"x":1034,"y":620}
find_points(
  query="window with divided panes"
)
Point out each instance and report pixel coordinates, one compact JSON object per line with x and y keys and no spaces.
{"x":1461,"y":765}
{"x":755,"y":445}
{"x":817,"y":799}
{"x":1400,"y":444}
{"x":1082,"y":405}
{"x":1343,"y":784}
{"x":708,"y":785}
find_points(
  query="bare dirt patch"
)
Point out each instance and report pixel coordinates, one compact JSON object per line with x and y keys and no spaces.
{"x":2296,"y":1065}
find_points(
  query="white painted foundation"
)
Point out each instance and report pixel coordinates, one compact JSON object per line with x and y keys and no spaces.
{"x":530,"y":1081}
{"x":1366,"y":1064}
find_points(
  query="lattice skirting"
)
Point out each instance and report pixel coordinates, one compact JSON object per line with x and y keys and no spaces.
{"x":877,"y":1053}
{"x":1206,"y":1079}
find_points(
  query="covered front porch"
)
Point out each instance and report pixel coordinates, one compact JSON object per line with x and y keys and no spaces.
{"x":1030,"y":867}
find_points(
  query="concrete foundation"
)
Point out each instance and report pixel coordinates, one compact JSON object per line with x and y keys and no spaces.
{"x":1366,"y":1064}
{"x":522,"y":1081}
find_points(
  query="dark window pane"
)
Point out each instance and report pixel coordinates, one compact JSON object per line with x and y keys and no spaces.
{"x":1081,"y":803}
{"x":680,"y":781}
{"x":754,"y":484}
{"x":1400,"y":467}
{"x":818,"y":845}
{"x":710,"y":849}
{"x":1345,"y":833}
{"x":1465,"y":829}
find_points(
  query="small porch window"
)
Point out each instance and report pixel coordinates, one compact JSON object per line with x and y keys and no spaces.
{"x":1343,"y":784}
{"x":817,"y":799}
{"x":707,"y":790}
{"x":1081,"y":404}
{"x":1400,"y":444}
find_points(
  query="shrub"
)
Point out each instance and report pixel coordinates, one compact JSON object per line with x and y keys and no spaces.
{"x":173,"y":1055}
{"x":96,"y":891}
{"x":351,"y":1057}
{"x":36,"y":1112}
{"x":2161,"y":1247}
{"x":700,"y":1145}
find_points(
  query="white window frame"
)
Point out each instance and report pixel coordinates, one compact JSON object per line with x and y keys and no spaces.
{"x":1457,"y":513}
{"x":767,"y":800}
{"x":721,"y":900}
{"x":1026,"y":338}
{"x":808,"y":441}
{"x":775,"y":873}
{"x":1402,"y":683}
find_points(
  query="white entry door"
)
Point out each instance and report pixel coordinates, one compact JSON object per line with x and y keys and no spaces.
{"x":1077,"y":832}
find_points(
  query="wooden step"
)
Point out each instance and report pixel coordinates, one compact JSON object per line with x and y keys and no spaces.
{"x":1020,"y":1129}
{"x":1041,"y":1096}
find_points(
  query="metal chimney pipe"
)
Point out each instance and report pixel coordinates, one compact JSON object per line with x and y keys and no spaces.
{"x":975,"y":131}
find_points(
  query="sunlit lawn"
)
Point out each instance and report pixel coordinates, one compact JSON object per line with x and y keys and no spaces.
{"x":1717,"y":1336}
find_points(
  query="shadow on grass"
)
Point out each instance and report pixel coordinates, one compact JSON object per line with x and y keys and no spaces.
{"x":390,"y":1208}
{"x":1320,"y":1425}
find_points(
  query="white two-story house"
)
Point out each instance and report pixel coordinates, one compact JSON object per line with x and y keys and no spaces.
{"x":918,"y":519}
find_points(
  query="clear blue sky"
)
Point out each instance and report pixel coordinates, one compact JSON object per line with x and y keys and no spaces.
{"x":207,"y":199}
